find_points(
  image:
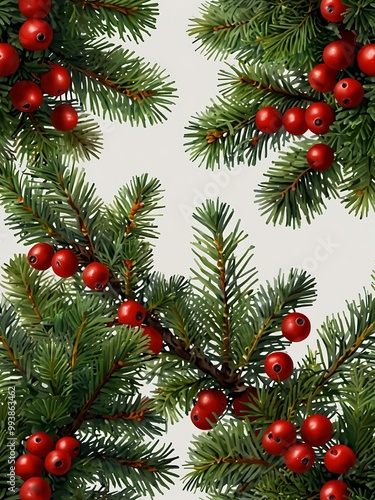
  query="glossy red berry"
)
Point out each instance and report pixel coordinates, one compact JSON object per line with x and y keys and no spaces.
{"x":334,"y":490}
{"x":322,"y":78}
{"x":299,"y":458}
{"x":40,"y":256}
{"x":278,"y":365}
{"x":202,"y":418}
{"x":64,"y":117}
{"x":34,"y":9}
{"x":320,"y":157}
{"x":349,"y":92}
{"x":64,"y":263}
{"x":295,"y":327}
{"x":333,"y":10}
{"x":213,"y":400}
{"x":56,"y":81}
{"x":155,"y":339}
{"x":27,"y":466}
{"x":35,"y":488}
{"x":69,"y":444}
{"x":319,"y":117}
{"x":58,"y":462}
{"x":95,"y":276}
{"x":268,"y":120}
{"x":279,"y":436}
{"x":316,"y":430}
{"x":9,"y":59}
{"x":131,"y":313}
{"x":339,"y":459}
{"x":35,"y":34}
{"x":26,"y":96}
{"x":40,"y":444}
{"x":294,"y":121}
{"x":242,"y":404}
{"x":338,"y":54}
{"x":366,"y":59}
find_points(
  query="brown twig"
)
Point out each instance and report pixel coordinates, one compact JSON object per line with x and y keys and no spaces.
{"x":33,"y":303}
{"x":11,"y":354}
{"x":99,"y":4}
{"x":226,"y":340}
{"x":295,"y":182}
{"x":136,"y":464}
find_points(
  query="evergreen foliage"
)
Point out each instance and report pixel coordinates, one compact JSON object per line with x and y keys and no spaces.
{"x":77,"y":371}
{"x":107,"y":79}
{"x":269,"y":49}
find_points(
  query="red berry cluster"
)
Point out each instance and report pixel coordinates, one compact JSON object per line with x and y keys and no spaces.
{"x":36,"y":34}
{"x":280,"y":439}
{"x":210,"y":405}
{"x":295,"y":327}
{"x":133,"y":314}
{"x":44,"y":454}
{"x":317,"y":118}
{"x":348,"y":92}
{"x":64,"y":264}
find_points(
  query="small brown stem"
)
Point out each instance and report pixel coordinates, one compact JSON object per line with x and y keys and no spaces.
{"x":99,"y":4}
{"x":226,"y":340}
{"x":229,"y":26}
{"x":343,"y":358}
{"x":78,"y":338}
{"x":82,"y":414}
{"x":136,"y":464}
{"x":33,"y":303}
{"x":295,"y":182}
{"x":138,"y":96}
{"x":11,"y":354}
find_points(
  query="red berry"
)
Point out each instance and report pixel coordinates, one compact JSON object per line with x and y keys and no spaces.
{"x":95,"y":275}
{"x":9,"y":59}
{"x":70,"y":445}
{"x":294,"y":121}
{"x":349,"y":93}
{"x":58,"y":462}
{"x":213,"y":400}
{"x":40,"y":256}
{"x":35,"y":488}
{"x":316,"y":430}
{"x":27,"y":466}
{"x":339,"y":459}
{"x":279,"y":436}
{"x":299,"y":458}
{"x":334,"y":490}
{"x":34,"y":9}
{"x":64,"y":263}
{"x":268,"y":120}
{"x":338,"y":54}
{"x":56,"y":81}
{"x":320,"y":157}
{"x":131,"y":313}
{"x":26,"y":96}
{"x":332,"y":10}
{"x":366,"y":59}
{"x":241,"y":404}
{"x":319,"y":117}
{"x":40,"y":444}
{"x":278,"y":365}
{"x":322,"y":78}
{"x":64,"y":117}
{"x":155,"y":339}
{"x":296,"y":327}
{"x":202,"y":418}
{"x":348,"y":36}
{"x":35,"y":34}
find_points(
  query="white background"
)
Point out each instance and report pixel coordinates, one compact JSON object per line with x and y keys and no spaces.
{"x":337,"y":248}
